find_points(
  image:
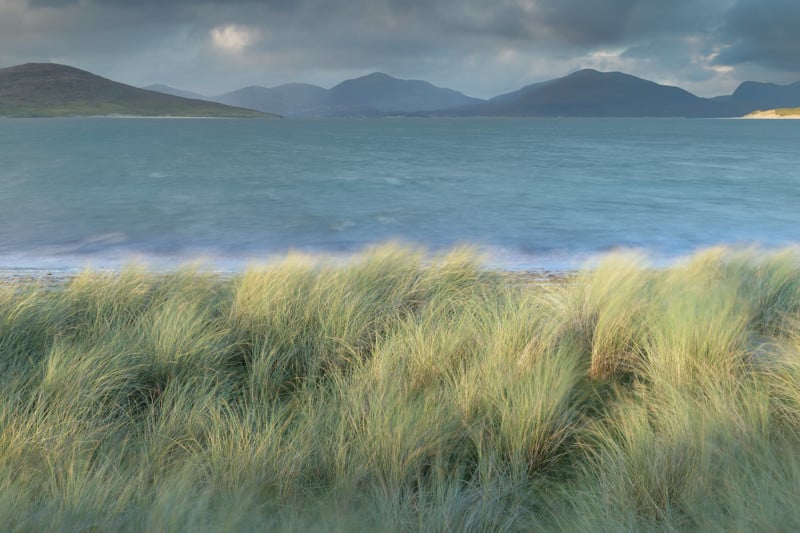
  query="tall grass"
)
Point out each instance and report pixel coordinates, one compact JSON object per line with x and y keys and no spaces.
{"x":402,"y":393}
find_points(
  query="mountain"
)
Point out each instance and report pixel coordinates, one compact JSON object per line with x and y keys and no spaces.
{"x":376,"y":94}
{"x":589,"y":93}
{"x":166,"y":89}
{"x":753,"y":95}
{"x":291,"y":99}
{"x":585,"y":93}
{"x":379,"y":93}
{"x":58,"y":90}
{"x":52,"y":90}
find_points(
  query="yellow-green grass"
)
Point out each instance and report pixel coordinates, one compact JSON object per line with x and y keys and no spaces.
{"x":784,"y":112}
{"x":788,"y":111}
{"x":400,"y":393}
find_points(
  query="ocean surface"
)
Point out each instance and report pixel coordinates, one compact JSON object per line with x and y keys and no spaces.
{"x":527,"y":193}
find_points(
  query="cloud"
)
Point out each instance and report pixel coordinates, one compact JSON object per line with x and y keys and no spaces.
{"x":233,"y":38}
{"x":478,"y":46}
{"x":559,"y":21}
{"x":762,"y":32}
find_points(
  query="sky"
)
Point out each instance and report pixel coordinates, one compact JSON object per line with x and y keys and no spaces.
{"x":480,"y":47}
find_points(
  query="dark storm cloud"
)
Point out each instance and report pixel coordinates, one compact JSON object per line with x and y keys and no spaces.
{"x":566,"y":21}
{"x":51,"y":3}
{"x":610,"y":21}
{"x":490,"y":44}
{"x":765,"y":32}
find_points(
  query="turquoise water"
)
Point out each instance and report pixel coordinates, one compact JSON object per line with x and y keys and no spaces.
{"x":530,"y":193}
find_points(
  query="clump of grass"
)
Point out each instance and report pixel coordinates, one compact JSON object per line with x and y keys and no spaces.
{"x":401,"y":392}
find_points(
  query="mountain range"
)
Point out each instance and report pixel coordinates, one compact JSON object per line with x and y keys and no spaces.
{"x":52,"y":90}
{"x":585,"y":93}
{"x":58,"y":90}
{"x":376,"y":94}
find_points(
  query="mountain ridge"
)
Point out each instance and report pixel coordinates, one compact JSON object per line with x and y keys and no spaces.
{"x":375,"y":94}
{"x":584,"y":93}
{"x":589,"y":92}
{"x":289,"y":99}
{"x":49,"y":89}
{"x":167,"y":89}
{"x":54,"y":90}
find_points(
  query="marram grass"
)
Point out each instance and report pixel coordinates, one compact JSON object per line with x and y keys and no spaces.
{"x":398,"y":393}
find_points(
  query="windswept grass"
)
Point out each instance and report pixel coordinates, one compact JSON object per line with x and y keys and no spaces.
{"x":399,"y":393}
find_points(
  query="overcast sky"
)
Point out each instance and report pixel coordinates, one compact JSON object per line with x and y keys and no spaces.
{"x":480,"y":47}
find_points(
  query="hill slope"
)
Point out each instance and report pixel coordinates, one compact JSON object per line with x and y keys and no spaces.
{"x":291,"y":99}
{"x":166,"y":89}
{"x":52,"y":90}
{"x":589,"y":93}
{"x":376,"y":94}
{"x":379,"y":93}
{"x":752,"y":95}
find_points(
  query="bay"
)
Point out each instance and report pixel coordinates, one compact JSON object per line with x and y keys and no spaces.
{"x":529,"y":193}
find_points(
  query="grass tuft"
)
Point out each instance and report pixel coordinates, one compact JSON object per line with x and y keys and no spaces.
{"x":402,"y":392}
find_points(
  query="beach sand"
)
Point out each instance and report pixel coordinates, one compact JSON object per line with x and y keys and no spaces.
{"x":771,"y":114}
{"x":56,"y":279}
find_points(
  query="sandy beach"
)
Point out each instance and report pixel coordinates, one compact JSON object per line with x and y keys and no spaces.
{"x":771,"y":114}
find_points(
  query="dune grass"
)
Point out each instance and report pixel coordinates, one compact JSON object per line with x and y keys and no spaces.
{"x":788,"y":111}
{"x":397,"y":393}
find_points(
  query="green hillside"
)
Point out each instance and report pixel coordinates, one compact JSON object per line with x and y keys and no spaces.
{"x":52,"y":90}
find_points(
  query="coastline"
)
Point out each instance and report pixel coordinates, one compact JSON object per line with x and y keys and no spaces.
{"x":769,"y":115}
{"x":144,"y":117}
{"x":60,"y":278}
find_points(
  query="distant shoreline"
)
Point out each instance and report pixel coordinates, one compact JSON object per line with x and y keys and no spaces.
{"x":771,"y":114}
{"x":143,"y":117}
{"x":59,"y":277}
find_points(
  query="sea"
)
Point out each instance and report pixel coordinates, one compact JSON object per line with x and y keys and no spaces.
{"x":526,"y":194}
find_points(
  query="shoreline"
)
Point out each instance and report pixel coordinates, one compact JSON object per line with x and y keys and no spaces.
{"x":769,"y":115}
{"x":143,"y":117}
{"x":533,"y":271}
{"x":54,"y":279}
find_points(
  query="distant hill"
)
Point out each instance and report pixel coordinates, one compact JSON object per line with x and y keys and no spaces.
{"x":376,"y":94}
{"x":589,"y":93}
{"x":166,"y":89}
{"x":52,"y":90}
{"x":379,"y":93}
{"x":585,"y":93}
{"x":291,"y":99}
{"x":768,"y":94}
{"x":752,"y":95}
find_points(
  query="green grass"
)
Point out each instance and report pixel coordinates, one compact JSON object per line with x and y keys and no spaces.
{"x":399,"y":393}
